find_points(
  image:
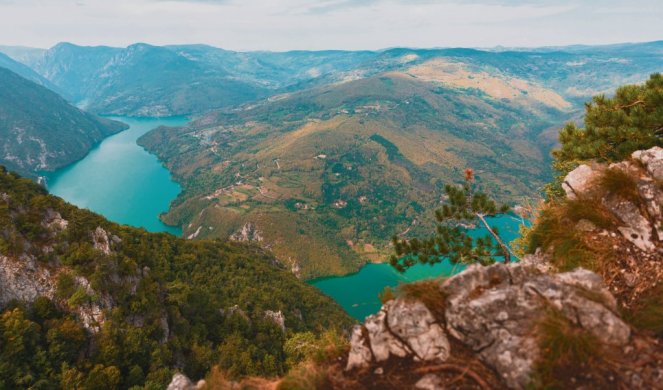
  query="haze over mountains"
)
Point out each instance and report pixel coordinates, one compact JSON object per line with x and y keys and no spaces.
{"x":39,"y":130}
{"x":323,"y":156}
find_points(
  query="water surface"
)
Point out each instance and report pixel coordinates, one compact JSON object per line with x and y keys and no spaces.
{"x":358,"y":293}
{"x":120,"y":180}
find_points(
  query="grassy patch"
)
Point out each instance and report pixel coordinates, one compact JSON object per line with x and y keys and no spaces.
{"x":566,"y":351}
{"x":647,"y":314}
{"x":428,"y":292}
{"x":615,"y":181}
{"x":554,"y":231}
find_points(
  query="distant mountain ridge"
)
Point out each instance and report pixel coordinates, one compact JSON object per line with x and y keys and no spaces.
{"x":147,"y":80}
{"x":40,"y":131}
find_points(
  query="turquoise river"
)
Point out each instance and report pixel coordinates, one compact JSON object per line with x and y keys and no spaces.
{"x":121,"y":181}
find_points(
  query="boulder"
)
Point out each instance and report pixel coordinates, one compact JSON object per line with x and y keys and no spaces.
{"x":182,"y":382}
{"x":579,"y":181}
{"x":652,"y":160}
{"x":492,"y":311}
{"x":401,"y":329}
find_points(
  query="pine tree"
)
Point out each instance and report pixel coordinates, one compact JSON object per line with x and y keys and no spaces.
{"x":465,"y":206}
{"x":614,"y":128}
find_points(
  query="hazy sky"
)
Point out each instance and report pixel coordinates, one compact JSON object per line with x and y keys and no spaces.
{"x":330,"y":24}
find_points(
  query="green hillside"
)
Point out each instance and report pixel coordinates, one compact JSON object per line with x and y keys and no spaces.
{"x":90,"y":304}
{"x":40,"y":131}
{"x":328,"y":175}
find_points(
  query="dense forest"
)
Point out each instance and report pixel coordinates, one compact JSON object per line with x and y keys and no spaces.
{"x":128,"y":308}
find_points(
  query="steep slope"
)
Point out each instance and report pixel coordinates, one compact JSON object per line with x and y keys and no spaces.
{"x":325,"y":177}
{"x":24,"y":71}
{"x":87,"y":303}
{"x":141,"y":80}
{"x":40,"y":131}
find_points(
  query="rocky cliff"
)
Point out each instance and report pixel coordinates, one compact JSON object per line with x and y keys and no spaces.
{"x":537,"y":323}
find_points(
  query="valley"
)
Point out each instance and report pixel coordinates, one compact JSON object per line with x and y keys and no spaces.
{"x":120,"y":180}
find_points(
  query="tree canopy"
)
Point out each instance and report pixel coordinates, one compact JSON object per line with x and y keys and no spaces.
{"x":464,"y":206}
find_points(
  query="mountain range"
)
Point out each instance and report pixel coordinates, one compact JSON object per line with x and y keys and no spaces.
{"x":39,"y":130}
{"x":321,"y":157}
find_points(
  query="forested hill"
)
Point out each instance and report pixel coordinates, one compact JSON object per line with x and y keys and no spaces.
{"x":91,"y":304}
{"x":40,"y":131}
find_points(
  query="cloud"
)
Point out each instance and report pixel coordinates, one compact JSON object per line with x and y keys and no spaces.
{"x":329,"y":24}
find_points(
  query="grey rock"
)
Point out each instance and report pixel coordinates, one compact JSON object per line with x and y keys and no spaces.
{"x":100,"y":240}
{"x":637,"y":228}
{"x":248,"y":233}
{"x":277,"y":317}
{"x":579,"y":181}
{"x":401,"y":329}
{"x":652,"y":159}
{"x":494,"y":309}
{"x":182,"y":382}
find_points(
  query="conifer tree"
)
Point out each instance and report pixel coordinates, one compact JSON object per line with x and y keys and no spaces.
{"x":614,"y":128}
{"x":465,"y":206}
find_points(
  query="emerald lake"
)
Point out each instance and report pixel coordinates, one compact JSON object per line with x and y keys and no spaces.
{"x":123,"y":182}
{"x":120,"y":180}
{"x":358,"y":293}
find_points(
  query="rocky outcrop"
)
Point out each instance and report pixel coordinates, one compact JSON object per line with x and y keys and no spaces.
{"x":248,"y":233}
{"x":182,"y":382}
{"x":494,"y":311}
{"x":641,"y":220}
{"x":277,"y":317}
{"x":24,"y":280}
{"x":400,"y":329}
{"x":101,"y":241}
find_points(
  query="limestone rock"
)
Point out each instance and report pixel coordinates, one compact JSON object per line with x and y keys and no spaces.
{"x":579,"y":181}
{"x":636,"y":228}
{"x":249,"y":232}
{"x":277,"y":317}
{"x":652,"y":159}
{"x":494,"y":309}
{"x":182,"y":382}
{"x":401,"y":329}
{"x":24,"y":281}
{"x":100,"y":240}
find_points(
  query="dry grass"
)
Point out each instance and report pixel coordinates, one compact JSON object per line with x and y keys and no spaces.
{"x":554,"y":232}
{"x":428,"y":292}
{"x":617,"y":182}
{"x":567,"y":353}
{"x":647,"y":313}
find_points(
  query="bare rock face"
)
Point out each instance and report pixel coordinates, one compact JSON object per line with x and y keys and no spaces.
{"x":401,"y":329}
{"x":641,"y":222}
{"x":248,"y":232}
{"x":101,"y":242}
{"x":579,"y":181}
{"x":652,"y":159}
{"x":182,"y":382}
{"x":277,"y":317}
{"x":24,"y":280}
{"x":494,"y":311}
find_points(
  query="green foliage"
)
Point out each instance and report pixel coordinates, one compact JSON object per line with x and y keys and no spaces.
{"x":58,"y":132}
{"x":464,"y":205}
{"x":212,"y":295}
{"x":614,"y":128}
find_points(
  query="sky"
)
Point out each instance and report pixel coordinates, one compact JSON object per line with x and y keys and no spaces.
{"x":280,"y":25}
